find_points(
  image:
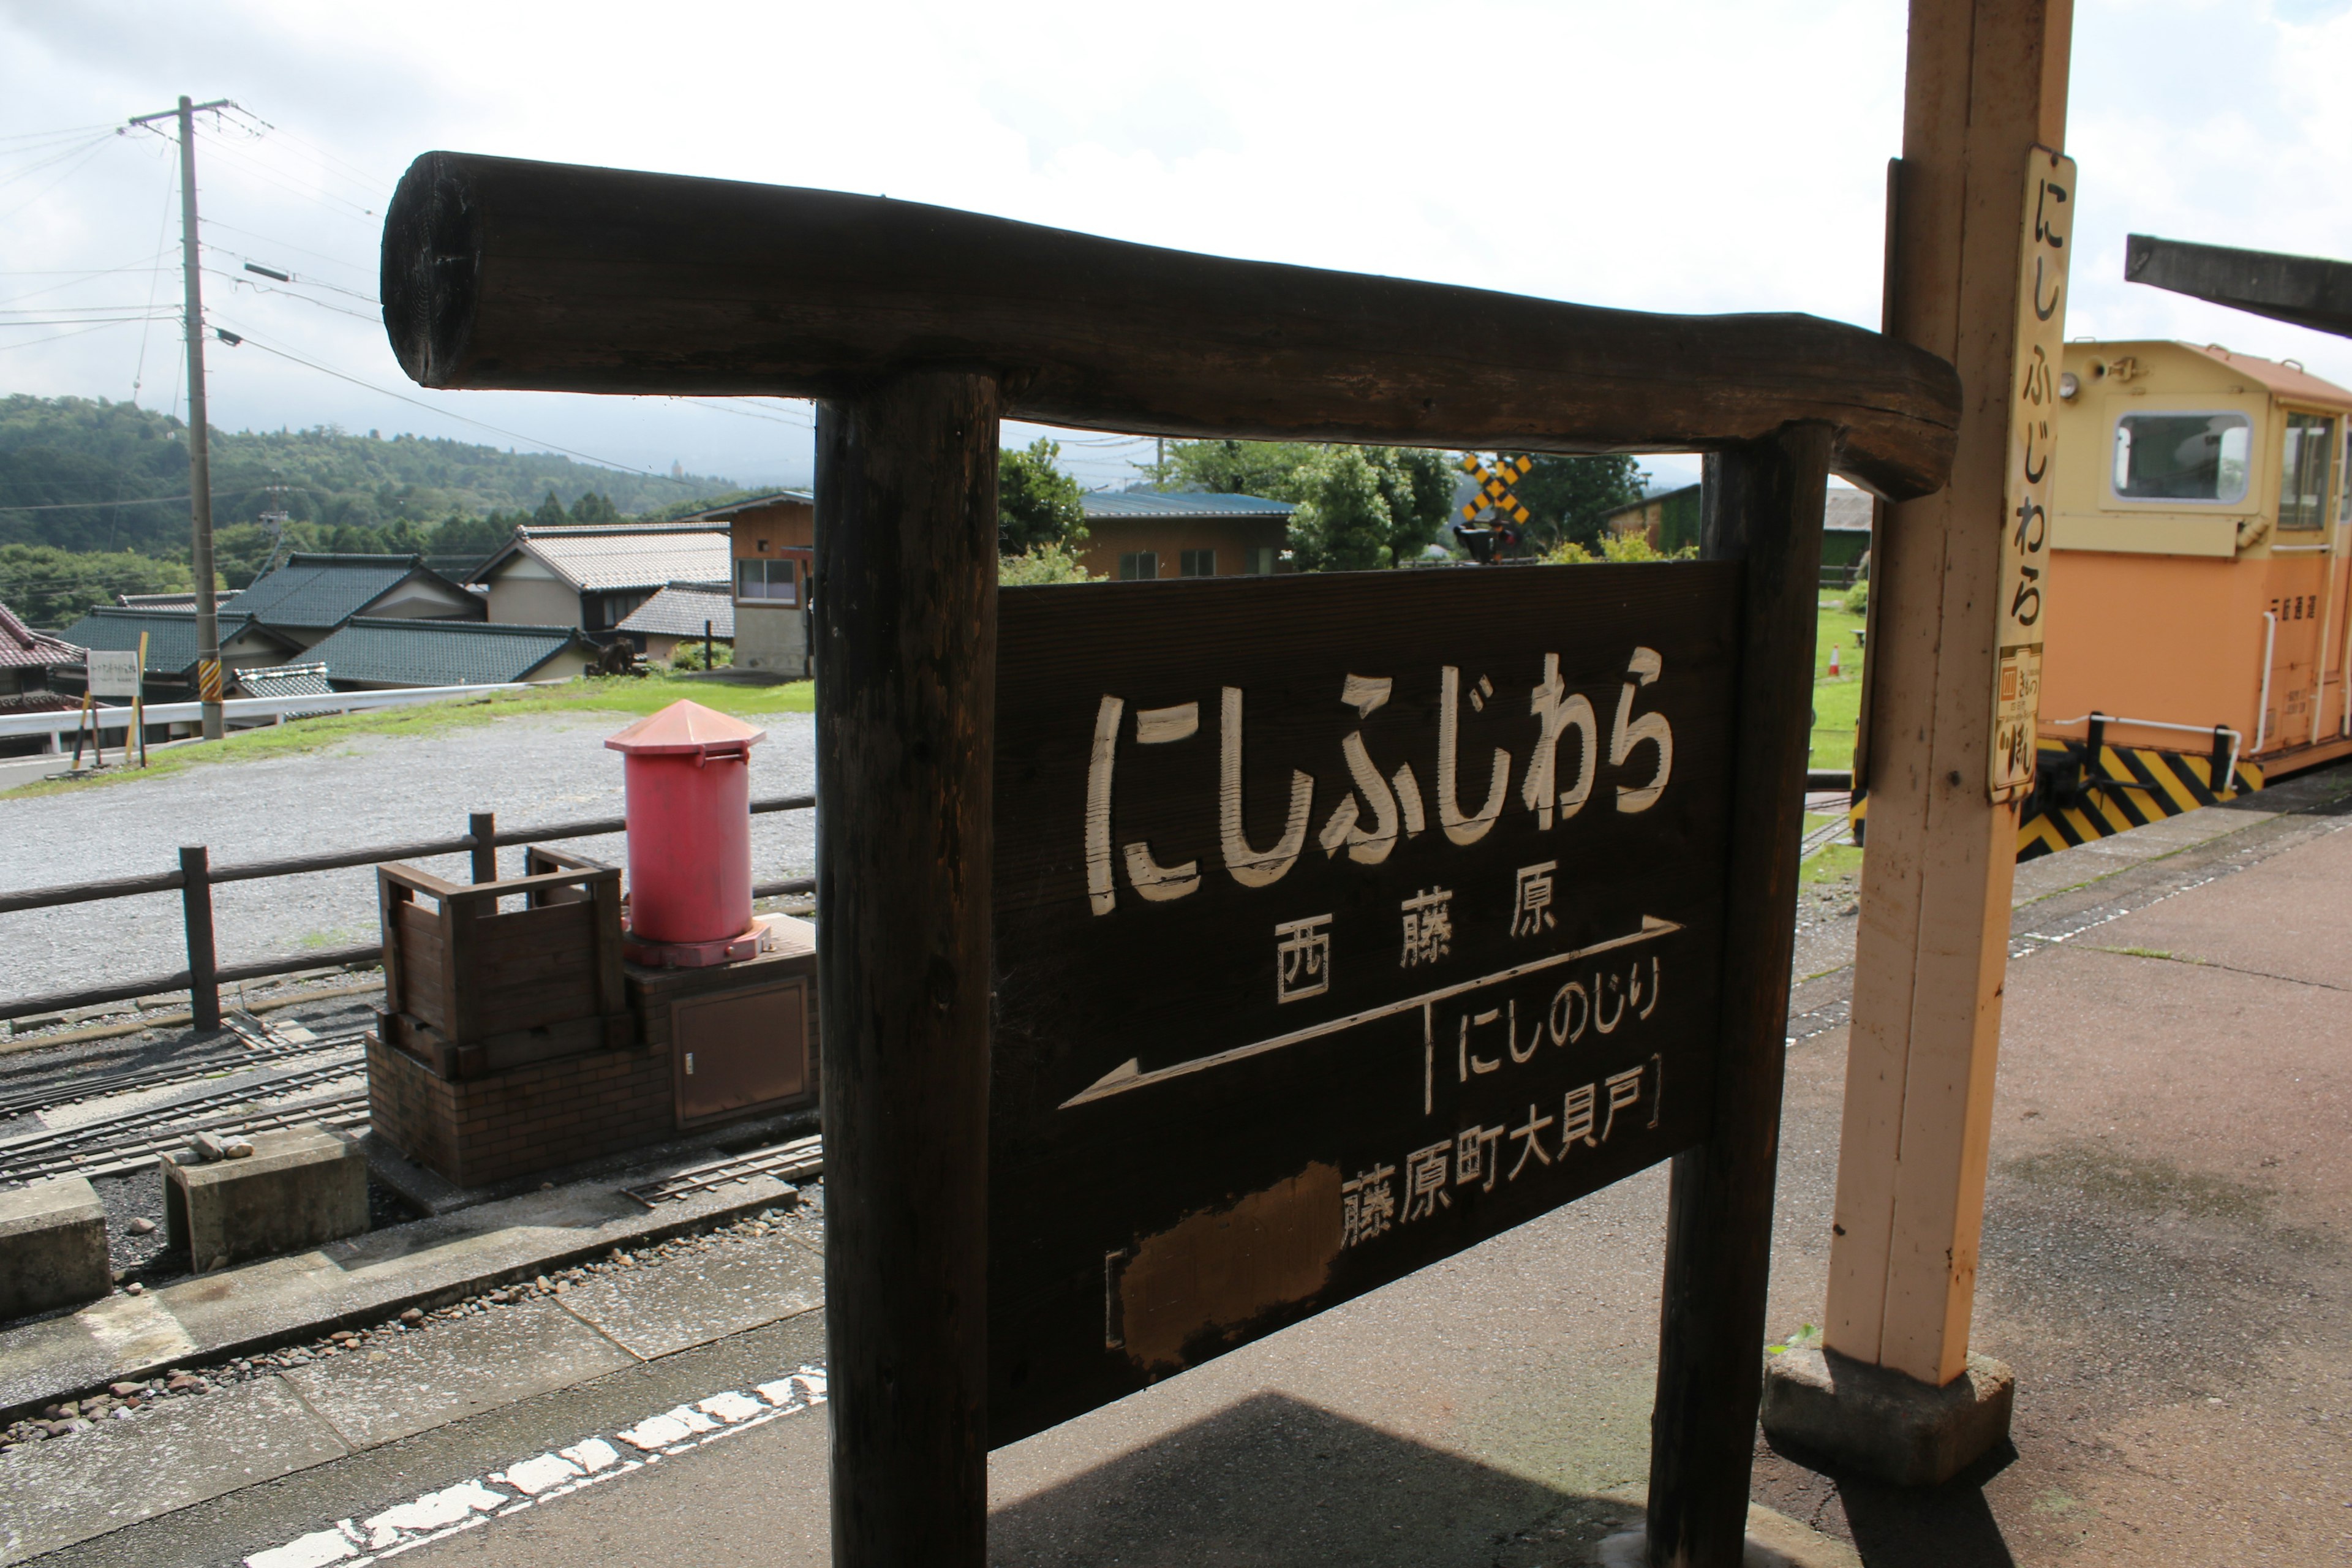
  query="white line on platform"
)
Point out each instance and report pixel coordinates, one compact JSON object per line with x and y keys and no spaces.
{"x":543,"y":1477}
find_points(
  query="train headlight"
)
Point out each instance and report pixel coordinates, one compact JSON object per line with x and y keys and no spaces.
{"x":2069,"y":384}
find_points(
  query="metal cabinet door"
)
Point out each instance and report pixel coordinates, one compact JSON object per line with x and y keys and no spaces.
{"x":738,"y":1049}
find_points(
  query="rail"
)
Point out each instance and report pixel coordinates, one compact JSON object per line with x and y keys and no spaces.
{"x":196,"y":877}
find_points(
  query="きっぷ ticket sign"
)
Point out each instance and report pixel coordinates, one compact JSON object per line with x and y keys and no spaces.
{"x":1341,"y":922}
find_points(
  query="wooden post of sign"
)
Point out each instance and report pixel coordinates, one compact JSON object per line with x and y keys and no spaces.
{"x":1986,"y":82}
{"x":906,"y":538}
{"x":1762,"y":506}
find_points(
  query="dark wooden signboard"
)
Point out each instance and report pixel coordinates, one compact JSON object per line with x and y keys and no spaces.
{"x":1341,"y":921}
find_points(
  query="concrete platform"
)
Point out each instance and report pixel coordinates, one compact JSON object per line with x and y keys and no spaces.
{"x":348,"y":1284}
{"x":52,"y":1247}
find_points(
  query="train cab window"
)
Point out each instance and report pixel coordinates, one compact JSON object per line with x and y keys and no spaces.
{"x":2303,"y":470}
{"x":2182,"y":456}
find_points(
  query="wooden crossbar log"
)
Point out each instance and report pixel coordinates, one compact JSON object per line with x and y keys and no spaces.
{"x":500,"y":272}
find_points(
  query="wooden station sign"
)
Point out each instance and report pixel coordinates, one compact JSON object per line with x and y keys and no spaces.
{"x":1341,"y":922}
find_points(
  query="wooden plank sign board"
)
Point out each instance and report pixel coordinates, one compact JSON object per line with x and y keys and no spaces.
{"x":1341,"y":922}
{"x":112,"y":673}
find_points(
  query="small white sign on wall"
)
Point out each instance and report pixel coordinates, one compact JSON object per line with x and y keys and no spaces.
{"x":114,"y":673}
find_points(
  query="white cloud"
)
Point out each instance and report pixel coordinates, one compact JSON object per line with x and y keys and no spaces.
{"x":1670,"y":156}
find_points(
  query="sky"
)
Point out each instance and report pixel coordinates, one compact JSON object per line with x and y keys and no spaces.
{"x":1667,"y":156}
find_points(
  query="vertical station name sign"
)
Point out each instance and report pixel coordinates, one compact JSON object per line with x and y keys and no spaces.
{"x":1341,"y":922}
{"x":2044,"y":252}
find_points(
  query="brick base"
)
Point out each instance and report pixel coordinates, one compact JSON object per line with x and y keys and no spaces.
{"x":479,"y":1130}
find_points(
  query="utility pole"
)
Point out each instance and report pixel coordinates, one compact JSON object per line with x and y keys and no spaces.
{"x":200,"y":468}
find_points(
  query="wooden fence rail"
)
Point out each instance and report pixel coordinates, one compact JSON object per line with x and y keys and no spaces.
{"x":196,"y":877}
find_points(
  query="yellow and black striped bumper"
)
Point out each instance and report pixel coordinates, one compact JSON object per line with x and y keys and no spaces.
{"x":2076,"y":801}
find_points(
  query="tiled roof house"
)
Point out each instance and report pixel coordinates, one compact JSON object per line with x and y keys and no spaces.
{"x":592,"y":577}
{"x":26,"y":657}
{"x":1154,"y":533}
{"x":170,"y":668}
{"x":367,"y":652}
{"x":310,"y":595}
{"x":678,"y":612}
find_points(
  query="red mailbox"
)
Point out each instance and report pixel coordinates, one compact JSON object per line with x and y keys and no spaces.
{"x":690,"y":815}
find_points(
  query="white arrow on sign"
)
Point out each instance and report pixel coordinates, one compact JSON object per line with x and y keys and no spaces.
{"x":1129,"y":1074}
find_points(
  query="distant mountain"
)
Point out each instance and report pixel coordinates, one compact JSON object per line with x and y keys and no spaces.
{"x":93,"y":467}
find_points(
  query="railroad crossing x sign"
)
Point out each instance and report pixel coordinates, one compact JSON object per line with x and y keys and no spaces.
{"x":1494,"y":487}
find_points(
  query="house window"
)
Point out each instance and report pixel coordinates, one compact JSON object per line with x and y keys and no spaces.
{"x":1258,"y":560}
{"x":1197,"y":564}
{"x":605,"y":611}
{"x":1137,"y":565}
{"x":771,"y":581}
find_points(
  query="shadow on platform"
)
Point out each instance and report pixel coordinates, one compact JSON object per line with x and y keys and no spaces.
{"x":1275,"y":1481}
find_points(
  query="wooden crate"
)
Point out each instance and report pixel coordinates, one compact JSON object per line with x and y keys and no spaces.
{"x":471,"y":988}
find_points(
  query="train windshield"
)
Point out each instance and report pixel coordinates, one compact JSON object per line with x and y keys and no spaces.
{"x":2302,"y":474}
{"x":2183,"y":456}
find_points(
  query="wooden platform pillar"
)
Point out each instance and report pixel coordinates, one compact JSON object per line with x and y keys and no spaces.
{"x":906,"y":625}
{"x":1986,"y":81}
{"x":1763,"y":506}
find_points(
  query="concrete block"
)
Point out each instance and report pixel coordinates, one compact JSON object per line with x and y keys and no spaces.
{"x":1884,"y":1423}
{"x":300,"y":1188}
{"x":52,"y":1247}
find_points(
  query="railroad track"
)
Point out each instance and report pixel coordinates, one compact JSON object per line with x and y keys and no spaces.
{"x":74,"y":1090}
{"x":124,"y":1143}
{"x":801,"y":1160}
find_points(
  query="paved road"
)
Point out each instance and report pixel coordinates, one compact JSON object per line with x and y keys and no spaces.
{"x":375,"y":790}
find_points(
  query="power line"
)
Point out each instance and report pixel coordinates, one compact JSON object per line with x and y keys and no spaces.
{"x":87,"y":505}
{"x":213,"y":222}
{"x":448,"y":413}
{"x":245,"y":282}
{"x":71,"y":169}
{"x":100,"y":326}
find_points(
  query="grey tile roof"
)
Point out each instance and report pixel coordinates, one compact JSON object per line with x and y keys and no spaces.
{"x":384,"y":651}
{"x":601,"y":557}
{"x":171,"y":634}
{"x":284,"y":680}
{"x":1143,"y":505}
{"x":1846,"y":511}
{"x":680,"y":610}
{"x":318,"y":592}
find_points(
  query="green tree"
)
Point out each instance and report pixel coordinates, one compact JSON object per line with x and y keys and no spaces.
{"x":594,"y":508}
{"x":51,"y":587}
{"x":1413,"y":485}
{"x":1267,"y":469}
{"x":1570,"y":495}
{"x":1418,"y":485}
{"x":1045,"y":564}
{"x":1036,"y":504}
{"x":550,"y":513}
{"x":1343,"y":522}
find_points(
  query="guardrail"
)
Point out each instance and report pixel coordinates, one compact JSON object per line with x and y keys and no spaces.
{"x":66,"y":721}
{"x":196,"y":877}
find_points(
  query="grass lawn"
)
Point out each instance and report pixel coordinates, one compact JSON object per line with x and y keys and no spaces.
{"x":630,"y":695}
{"x":1837,"y":703}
